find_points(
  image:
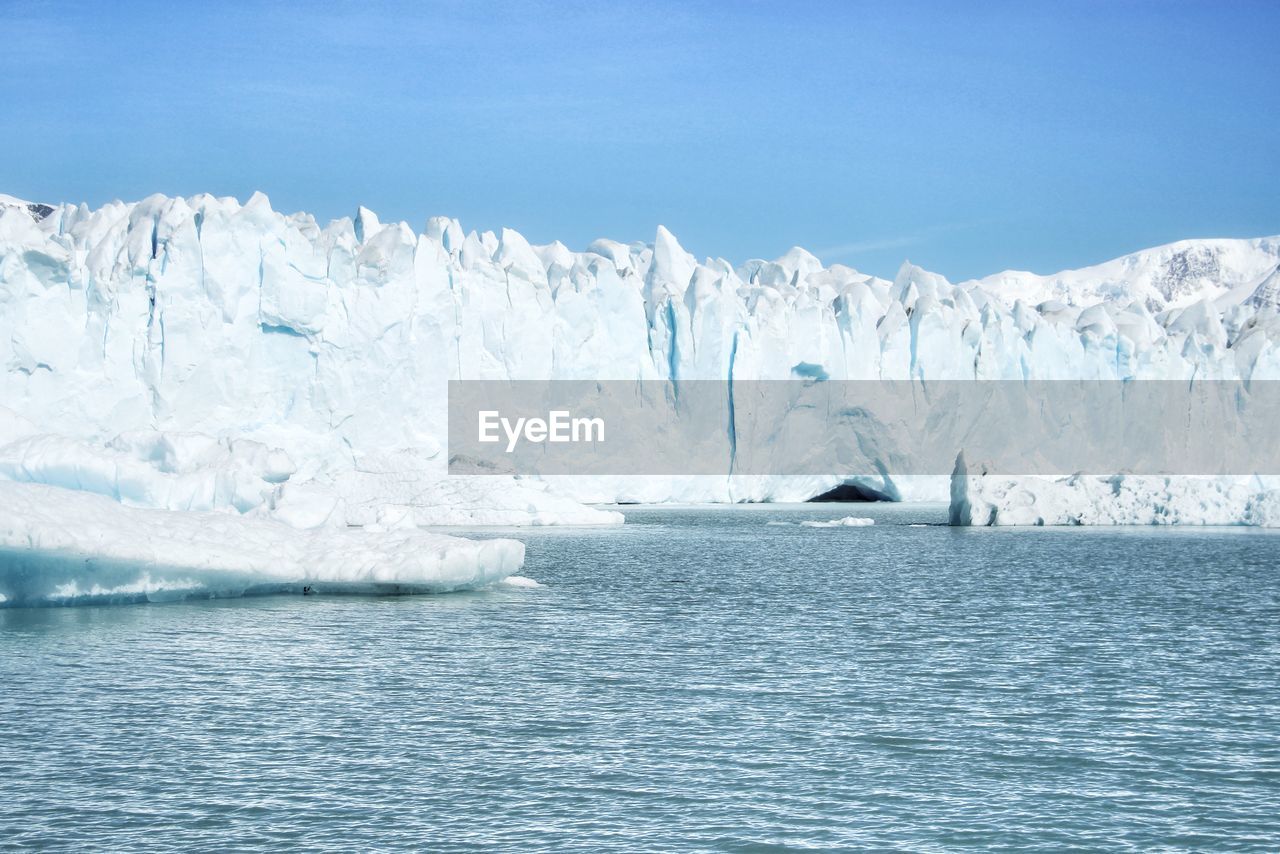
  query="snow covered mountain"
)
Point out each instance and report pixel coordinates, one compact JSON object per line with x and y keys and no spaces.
{"x":203,"y":354}
{"x":1176,"y":275}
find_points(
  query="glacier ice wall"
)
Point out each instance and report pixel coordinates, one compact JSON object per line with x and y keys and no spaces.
{"x":985,"y":499}
{"x":333,"y":343}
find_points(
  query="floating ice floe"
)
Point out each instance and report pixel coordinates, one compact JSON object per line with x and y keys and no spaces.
{"x":60,"y":546}
{"x":846,"y":522}
{"x":521,"y":581}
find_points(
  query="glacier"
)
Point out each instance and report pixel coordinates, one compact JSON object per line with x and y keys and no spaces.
{"x":203,"y":355}
{"x":984,"y":499}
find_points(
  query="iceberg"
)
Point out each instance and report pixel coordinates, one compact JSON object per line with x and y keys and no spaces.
{"x":60,"y":546}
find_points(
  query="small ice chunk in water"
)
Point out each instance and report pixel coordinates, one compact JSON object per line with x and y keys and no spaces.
{"x":846,"y":522}
{"x":520,"y":581}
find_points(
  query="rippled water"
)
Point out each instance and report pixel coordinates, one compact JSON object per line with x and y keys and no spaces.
{"x":698,"y":679}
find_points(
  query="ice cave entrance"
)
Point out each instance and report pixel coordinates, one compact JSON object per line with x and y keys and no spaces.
{"x":851,"y":492}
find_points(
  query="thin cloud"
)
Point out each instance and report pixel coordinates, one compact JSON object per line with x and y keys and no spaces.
{"x":880,"y":244}
{"x":862,"y":246}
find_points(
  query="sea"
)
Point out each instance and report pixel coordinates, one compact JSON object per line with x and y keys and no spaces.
{"x":698,"y":679}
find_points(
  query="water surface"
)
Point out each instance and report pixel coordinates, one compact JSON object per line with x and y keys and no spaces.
{"x":698,"y":679}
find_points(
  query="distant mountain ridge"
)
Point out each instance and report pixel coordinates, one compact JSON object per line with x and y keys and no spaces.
{"x":1228,"y":271}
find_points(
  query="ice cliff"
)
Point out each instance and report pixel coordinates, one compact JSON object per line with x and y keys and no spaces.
{"x":197,"y":354}
{"x":984,"y":499}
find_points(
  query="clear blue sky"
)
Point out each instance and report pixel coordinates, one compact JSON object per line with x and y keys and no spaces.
{"x":966,"y":136}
